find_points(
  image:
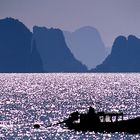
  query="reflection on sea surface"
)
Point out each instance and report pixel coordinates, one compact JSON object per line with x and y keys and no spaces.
{"x":46,"y":99}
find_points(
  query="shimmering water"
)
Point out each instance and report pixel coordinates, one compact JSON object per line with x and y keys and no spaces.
{"x":26,"y":99}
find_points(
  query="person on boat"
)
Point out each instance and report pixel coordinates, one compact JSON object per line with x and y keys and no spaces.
{"x":92,"y":116}
{"x":91,"y":111}
{"x":90,"y":119}
{"x":73,"y":117}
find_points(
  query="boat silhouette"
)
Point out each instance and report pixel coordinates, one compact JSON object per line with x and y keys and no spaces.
{"x":97,"y":122}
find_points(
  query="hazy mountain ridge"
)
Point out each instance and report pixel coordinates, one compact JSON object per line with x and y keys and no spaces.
{"x":45,"y":50}
{"x":86,"y":45}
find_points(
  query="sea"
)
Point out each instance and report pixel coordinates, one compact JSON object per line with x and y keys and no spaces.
{"x":46,"y":99}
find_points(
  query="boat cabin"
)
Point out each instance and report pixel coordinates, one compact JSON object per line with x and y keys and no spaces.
{"x":92,"y":118}
{"x":110,"y":115}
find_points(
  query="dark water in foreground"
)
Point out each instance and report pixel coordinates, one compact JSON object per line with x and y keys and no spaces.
{"x":26,"y":99}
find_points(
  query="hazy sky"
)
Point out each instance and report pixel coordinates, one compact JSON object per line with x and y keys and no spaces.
{"x":110,"y":17}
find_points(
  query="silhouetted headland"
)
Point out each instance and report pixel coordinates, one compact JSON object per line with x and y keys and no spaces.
{"x":55,"y":54}
{"x":124,"y":57}
{"x":18,"y":51}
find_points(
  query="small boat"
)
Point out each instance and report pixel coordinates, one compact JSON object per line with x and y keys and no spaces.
{"x":97,"y":122}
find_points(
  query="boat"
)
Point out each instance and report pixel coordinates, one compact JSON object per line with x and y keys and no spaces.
{"x":97,"y":122}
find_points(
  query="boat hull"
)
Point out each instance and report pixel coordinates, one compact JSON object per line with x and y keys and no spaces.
{"x":129,"y":126}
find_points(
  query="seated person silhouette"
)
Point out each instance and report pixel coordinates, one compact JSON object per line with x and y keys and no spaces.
{"x":73,"y":117}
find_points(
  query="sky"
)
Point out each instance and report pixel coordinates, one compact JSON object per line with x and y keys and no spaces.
{"x":110,"y":17}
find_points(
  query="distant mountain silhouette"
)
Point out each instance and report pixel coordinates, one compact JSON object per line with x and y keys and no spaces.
{"x":124,"y":57}
{"x":36,"y":61}
{"x":16,"y":52}
{"x":54,"y":52}
{"x":108,"y":50}
{"x":86,"y":45}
